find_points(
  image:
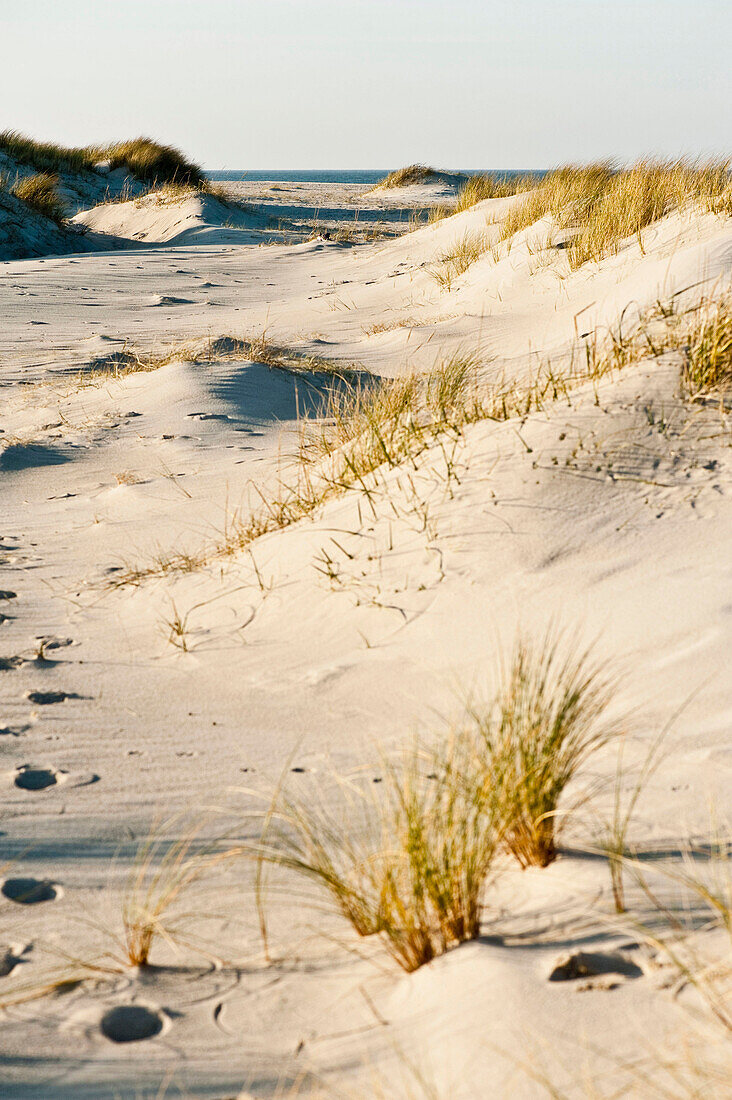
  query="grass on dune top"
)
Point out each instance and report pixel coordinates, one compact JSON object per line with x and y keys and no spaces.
{"x":403,"y":177}
{"x":599,"y":206}
{"x":147,"y":160}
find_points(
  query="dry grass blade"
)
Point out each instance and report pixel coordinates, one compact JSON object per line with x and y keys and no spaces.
{"x":704,"y":882}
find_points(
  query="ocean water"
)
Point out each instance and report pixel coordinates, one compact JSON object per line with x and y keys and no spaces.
{"x":332,"y":175}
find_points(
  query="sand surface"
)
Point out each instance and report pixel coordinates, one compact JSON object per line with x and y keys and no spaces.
{"x":610,"y":513}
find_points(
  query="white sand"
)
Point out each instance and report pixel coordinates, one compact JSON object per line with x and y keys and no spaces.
{"x":611,"y":514}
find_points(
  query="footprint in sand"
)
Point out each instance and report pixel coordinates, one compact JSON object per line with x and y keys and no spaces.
{"x":8,"y":663}
{"x":611,"y":967}
{"x":10,"y":957}
{"x":46,"y":698}
{"x":29,"y":891}
{"x":31,"y":778}
{"x":131,"y":1023}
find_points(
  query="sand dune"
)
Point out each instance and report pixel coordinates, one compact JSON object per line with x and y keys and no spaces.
{"x":607,"y":511}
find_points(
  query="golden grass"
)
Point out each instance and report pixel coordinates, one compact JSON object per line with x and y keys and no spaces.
{"x":408,"y":859}
{"x":600,"y":207}
{"x":163,"y":874}
{"x":388,"y":326}
{"x":708,"y":350}
{"x":360,"y":428}
{"x":455,"y":261}
{"x":258,"y":349}
{"x":482,"y":186}
{"x":548,"y":718}
{"x":148,"y":160}
{"x":40,"y":193}
{"x":151,"y":162}
{"x":403,"y":177}
{"x":44,"y":156}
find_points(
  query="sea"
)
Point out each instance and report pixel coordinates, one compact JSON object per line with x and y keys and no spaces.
{"x":335,"y":175}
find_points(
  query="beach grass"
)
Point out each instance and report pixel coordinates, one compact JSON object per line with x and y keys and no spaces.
{"x":455,"y":260}
{"x":483,"y":186}
{"x":408,"y":858}
{"x":403,"y":177}
{"x":599,"y":207}
{"x":549,"y":716}
{"x":40,"y":193}
{"x":708,"y":350}
{"x":149,"y":161}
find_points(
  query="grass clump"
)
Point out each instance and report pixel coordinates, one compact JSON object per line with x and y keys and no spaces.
{"x":147,"y":160}
{"x":458,"y":258}
{"x":41,"y":155}
{"x":547,"y":719}
{"x":708,"y":350}
{"x":131,"y":360}
{"x":599,"y":207}
{"x":40,"y":194}
{"x":164,"y":872}
{"x":408,"y":859}
{"x":485,"y":186}
{"x":403,"y":177}
{"x":152,"y":162}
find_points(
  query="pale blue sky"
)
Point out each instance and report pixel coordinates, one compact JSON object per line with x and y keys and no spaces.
{"x":373,"y":83}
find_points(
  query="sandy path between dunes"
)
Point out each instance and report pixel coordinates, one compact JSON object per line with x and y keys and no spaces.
{"x":610,"y":513}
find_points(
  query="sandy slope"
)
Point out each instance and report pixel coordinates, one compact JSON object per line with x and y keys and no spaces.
{"x":610,"y":513}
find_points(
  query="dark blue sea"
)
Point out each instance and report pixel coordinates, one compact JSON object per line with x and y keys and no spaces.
{"x":331,"y":175}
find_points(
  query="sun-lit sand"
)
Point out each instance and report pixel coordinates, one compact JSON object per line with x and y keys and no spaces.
{"x":180,"y":697}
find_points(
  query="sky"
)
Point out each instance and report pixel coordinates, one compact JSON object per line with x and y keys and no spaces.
{"x":373,"y":83}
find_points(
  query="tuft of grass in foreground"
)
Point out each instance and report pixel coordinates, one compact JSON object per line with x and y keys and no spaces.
{"x":408,"y":859}
{"x":600,"y":207}
{"x":40,"y":193}
{"x":548,"y":718}
{"x":403,"y":177}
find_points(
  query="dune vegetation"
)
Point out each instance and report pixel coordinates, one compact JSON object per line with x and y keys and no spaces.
{"x":147,"y":160}
{"x":40,"y":193}
{"x":412,"y":860}
{"x":403,"y":177}
{"x":598,"y":206}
